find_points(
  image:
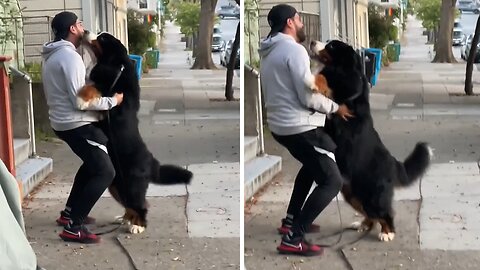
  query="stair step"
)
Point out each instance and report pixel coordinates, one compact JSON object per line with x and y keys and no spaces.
{"x":260,"y":171}
{"x":21,"y":150}
{"x":31,"y":172}
{"x":250,"y":147}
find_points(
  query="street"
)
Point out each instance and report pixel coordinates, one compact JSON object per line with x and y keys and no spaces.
{"x":228,"y":26}
{"x":468,"y":20}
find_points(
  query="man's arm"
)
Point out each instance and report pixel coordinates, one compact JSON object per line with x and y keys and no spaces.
{"x":299,"y":66}
{"x":75,"y":80}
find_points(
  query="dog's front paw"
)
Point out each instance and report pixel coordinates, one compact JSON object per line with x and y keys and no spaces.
{"x":385,"y":237}
{"x":134,"y":229}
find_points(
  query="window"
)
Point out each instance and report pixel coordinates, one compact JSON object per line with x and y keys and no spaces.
{"x":143,"y":4}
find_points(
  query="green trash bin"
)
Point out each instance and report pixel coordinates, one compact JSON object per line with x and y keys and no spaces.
{"x":152,"y":58}
{"x":394,"y":51}
{"x":397,"y":49}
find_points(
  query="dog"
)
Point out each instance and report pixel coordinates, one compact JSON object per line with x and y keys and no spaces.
{"x":134,"y":164}
{"x":370,"y":172}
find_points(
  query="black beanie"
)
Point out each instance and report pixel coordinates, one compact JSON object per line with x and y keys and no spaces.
{"x":277,"y":17}
{"x":61,"y":24}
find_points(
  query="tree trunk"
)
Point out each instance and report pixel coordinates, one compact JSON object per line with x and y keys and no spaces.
{"x":231,"y":65}
{"x":471,"y":58}
{"x":443,"y":52}
{"x":203,"y":59}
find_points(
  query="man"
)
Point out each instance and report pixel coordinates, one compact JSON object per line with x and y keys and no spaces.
{"x":285,"y":67}
{"x":63,"y":74}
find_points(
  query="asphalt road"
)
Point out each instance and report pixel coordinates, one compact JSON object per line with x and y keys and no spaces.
{"x":468,"y":21}
{"x":228,"y":26}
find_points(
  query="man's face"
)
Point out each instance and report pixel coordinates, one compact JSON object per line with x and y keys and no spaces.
{"x":77,"y":31}
{"x":297,"y":25}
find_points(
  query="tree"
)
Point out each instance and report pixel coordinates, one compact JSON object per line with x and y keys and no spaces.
{"x":188,"y":18}
{"x":443,"y":45}
{"x":231,"y":62}
{"x":203,"y":59}
{"x":471,"y":57}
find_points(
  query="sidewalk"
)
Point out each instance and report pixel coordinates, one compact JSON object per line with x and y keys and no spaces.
{"x":436,"y":218}
{"x":183,"y":121}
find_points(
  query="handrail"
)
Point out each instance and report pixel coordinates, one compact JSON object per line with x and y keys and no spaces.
{"x":259,"y":106}
{"x":31,"y":118}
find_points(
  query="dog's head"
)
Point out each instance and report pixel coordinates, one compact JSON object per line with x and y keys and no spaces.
{"x":109,"y":49}
{"x":335,"y":53}
{"x":342,"y":69}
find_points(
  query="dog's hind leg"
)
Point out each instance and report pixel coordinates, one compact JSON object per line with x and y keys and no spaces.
{"x":388,"y":229}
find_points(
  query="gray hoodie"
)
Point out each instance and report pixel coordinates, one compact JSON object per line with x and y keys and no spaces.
{"x":284,"y":72}
{"x":63,"y":74}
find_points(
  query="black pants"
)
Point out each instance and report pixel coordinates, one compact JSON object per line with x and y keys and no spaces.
{"x":94,"y":175}
{"x":316,"y":167}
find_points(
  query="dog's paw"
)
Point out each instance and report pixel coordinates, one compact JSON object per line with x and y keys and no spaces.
{"x":136,"y":229}
{"x":385,"y":237}
{"x":119,"y":220}
{"x":359,"y":226}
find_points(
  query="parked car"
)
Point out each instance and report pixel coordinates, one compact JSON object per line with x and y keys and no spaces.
{"x":217,"y":29}
{"x":217,"y":42}
{"x":467,"y":51}
{"x":468,"y":40}
{"x":228,"y":11}
{"x":458,"y":37}
{"x":468,"y":5}
{"x":226,"y":55}
{"x":223,"y":50}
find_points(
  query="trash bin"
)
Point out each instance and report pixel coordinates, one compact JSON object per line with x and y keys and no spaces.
{"x":369,"y":65}
{"x":378,"y":63}
{"x":395,"y":49}
{"x":153,"y":56}
{"x":138,"y":64}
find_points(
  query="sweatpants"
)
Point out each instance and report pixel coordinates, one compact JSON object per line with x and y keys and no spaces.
{"x":314,"y":149}
{"x":96,"y":173}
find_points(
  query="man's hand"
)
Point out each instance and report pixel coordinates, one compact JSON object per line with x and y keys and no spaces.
{"x":344,"y":112}
{"x":118,"y":97}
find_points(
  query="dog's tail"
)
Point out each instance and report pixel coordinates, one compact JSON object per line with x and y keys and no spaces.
{"x":170,"y":174}
{"x":415,"y":165}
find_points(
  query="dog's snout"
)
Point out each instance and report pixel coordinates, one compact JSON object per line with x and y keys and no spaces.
{"x":312,"y":43}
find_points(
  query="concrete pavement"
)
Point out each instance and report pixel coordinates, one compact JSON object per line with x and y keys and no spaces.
{"x":183,"y":120}
{"x":436,"y":218}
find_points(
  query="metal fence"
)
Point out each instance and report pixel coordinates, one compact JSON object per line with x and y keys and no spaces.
{"x":311,"y":22}
{"x":29,"y":35}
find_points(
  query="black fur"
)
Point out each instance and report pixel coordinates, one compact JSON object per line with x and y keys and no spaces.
{"x":370,"y":171}
{"x":134,"y":164}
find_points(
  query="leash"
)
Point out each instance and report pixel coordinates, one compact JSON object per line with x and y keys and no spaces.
{"x":117,"y":77}
{"x":341,"y":248}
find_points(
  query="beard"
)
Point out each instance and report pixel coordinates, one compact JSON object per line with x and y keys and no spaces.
{"x":301,"y":36}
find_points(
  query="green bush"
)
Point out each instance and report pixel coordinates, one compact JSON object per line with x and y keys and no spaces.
{"x":378,"y":27}
{"x":34,"y":70}
{"x":393,"y":33}
{"x":138,"y":33}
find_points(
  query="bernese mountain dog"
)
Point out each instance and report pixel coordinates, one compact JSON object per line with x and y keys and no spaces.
{"x":370,"y":172}
{"x":134,"y":164}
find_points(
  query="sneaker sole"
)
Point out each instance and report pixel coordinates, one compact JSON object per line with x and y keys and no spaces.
{"x":304,"y":254}
{"x":82,"y":241}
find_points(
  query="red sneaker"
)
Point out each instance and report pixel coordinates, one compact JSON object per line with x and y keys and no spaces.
{"x":64,"y":219}
{"x":299,"y":246}
{"x":79,"y":234}
{"x":285,"y":228}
